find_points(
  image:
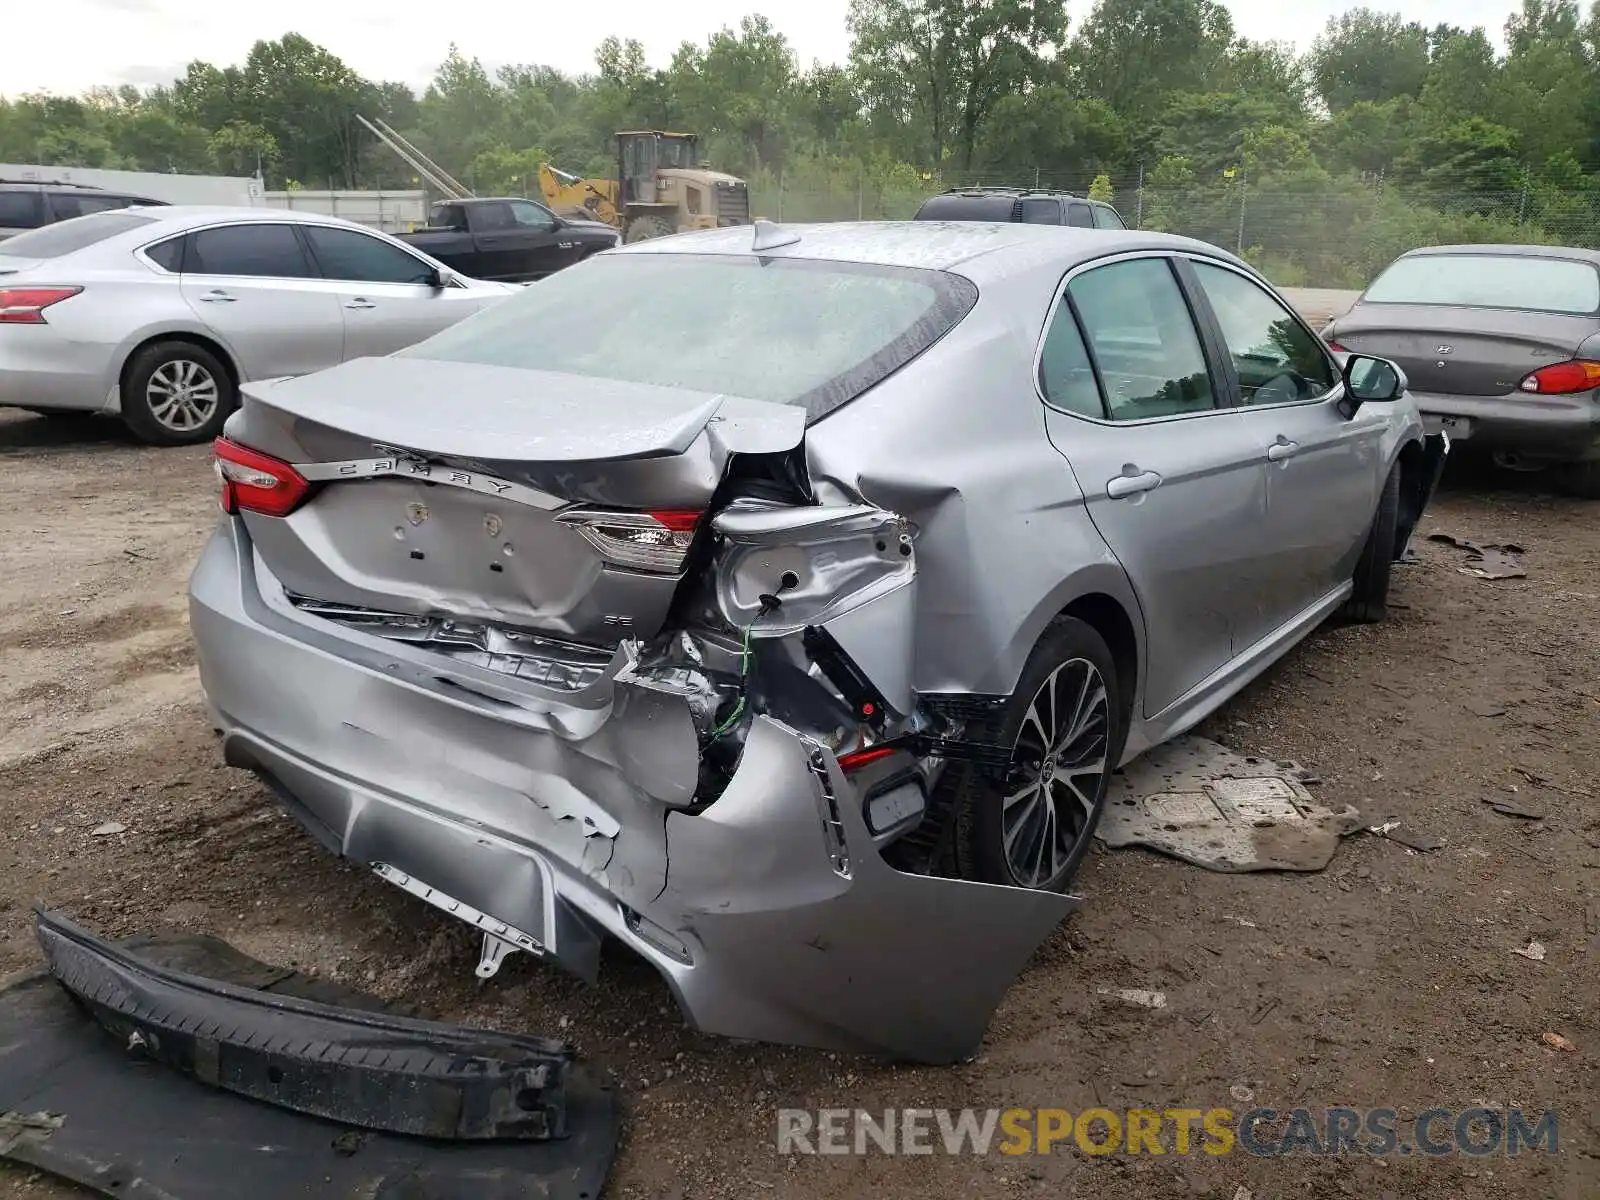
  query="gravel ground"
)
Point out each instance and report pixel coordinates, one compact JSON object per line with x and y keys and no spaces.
{"x":1387,"y":980}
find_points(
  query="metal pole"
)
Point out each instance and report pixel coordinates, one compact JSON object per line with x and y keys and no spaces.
{"x":1522,"y":200}
{"x":780,"y":196}
{"x":1138,"y":218}
{"x":861,"y":187}
{"x":1242,"y":182}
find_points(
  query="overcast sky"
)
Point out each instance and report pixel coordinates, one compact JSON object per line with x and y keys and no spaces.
{"x":66,"y":46}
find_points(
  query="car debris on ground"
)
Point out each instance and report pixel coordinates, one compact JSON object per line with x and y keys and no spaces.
{"x":1199,"y":801}
{"x":173,"y":1065}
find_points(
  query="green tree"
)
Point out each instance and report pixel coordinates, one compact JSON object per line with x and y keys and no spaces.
{"x":1368,"y":55}
{"x":1132,"y":54}
{"x":941,"y":66}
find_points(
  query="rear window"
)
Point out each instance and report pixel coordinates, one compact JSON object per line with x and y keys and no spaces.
{"x":967,"y":208}
{"x":1490,"y":281}
{"x":793,"y":331}
{"x":64,"y":237}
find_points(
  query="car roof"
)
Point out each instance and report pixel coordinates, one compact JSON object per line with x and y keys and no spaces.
{"x":935,"y":245}
{"x":181,"y":216}
{"x":1509,"y":251}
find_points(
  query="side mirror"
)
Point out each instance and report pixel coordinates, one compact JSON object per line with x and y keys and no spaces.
{"x":441,"y":279}
{"x":1370,"y":380}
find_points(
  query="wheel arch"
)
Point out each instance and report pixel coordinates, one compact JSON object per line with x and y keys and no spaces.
{"x":1100,"y":596}
{"x":205,"y":342}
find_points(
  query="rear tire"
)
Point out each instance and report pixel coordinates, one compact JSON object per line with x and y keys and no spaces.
{"x":1579,"y":479}
{"x":1369,"y":602}
{"x":1066,"y":722}
{"x":642,"y":228}
{"x":176,"y":394}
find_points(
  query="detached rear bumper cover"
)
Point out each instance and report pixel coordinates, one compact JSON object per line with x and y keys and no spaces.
{"x":770,"y":914}
{"x":370,"y":1069}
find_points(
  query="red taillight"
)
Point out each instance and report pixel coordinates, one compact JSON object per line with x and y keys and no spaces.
{"x":1337,"y":349}
{"x":256,"y":482}
{"x":1563,"y":378}
{"x":26,"y":305}
{"x":856,"y":759}
{"x":657,"y":542}
{"x":678,"y":520}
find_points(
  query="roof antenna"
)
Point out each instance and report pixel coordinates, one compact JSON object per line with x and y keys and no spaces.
{"x":770,"y":236}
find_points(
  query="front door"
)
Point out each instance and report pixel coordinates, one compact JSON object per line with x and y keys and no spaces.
{"x":1324,"y":471}
{"x":1171,"y":480}
{"x":384,"y":293}
{"x":254,"y":288}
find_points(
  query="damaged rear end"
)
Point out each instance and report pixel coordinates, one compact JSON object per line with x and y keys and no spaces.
{"x":557,"y":633}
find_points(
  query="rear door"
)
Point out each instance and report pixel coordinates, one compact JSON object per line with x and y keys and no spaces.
{"x":1324,"y":471}
{"x":1170,"y":476}
{"x":384,"y":291}
{"x":253,"y":286}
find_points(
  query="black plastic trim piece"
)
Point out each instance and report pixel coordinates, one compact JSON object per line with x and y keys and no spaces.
{"x":371,"y":1069}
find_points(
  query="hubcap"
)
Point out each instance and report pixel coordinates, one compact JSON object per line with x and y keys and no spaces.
{"x":1058,"y":767}
{"x":182,"y":395}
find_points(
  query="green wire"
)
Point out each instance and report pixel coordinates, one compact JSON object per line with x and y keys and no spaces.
{"x":744,"y":669}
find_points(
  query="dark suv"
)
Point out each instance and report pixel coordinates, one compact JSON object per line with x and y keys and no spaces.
{"x":25,"y":205}
{"x":1019,"y":205}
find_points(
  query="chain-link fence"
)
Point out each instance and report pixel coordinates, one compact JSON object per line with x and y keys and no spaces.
{"x":1336,"y":233}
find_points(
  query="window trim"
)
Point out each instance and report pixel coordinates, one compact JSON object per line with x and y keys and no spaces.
{"x":140,"y":252}
{"x":1236,"y":391}
{"x":322,"y":272}
{"x":1223,"y":399}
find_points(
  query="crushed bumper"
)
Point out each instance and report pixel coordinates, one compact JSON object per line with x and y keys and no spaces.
{"x":770,"y":913}
{"x":281,"y":1084}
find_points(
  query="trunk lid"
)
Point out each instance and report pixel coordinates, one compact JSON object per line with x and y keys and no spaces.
{"x":496,"y":497}
{"x":1462,"y":351}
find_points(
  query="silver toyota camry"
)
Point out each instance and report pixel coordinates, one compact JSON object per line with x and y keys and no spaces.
{"x":777,"y":601}
{"x":158,"y":315}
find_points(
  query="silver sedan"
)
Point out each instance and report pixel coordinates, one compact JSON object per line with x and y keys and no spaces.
{"x":780,"y":602}
{"x":160,"y":314}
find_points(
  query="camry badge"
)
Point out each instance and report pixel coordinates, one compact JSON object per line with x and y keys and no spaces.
{"x":1444,"y":349}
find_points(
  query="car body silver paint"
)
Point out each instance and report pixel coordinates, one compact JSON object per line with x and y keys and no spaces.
{"x":473,"y":799}
{"x":768,"y":910}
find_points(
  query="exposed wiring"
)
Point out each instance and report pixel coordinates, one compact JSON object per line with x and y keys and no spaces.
{"x":769,"y":603}
{"x":744,"y":670}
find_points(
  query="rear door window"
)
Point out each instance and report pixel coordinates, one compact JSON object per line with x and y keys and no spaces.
{"x":21,"y":210}
{"x":259,"y":249}
{"x":1143,"y":339}
{"x":1105,"y":217}
{"x":1080,"y":215}
{"x":1041,"y":212}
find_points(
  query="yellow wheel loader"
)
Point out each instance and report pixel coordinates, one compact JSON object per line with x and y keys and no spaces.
{"x":661,"y":188}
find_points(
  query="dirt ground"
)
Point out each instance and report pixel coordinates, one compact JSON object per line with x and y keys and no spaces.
{"x":1387,"y":980}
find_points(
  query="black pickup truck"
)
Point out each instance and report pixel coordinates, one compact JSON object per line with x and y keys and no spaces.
{"x":508,"y":239}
